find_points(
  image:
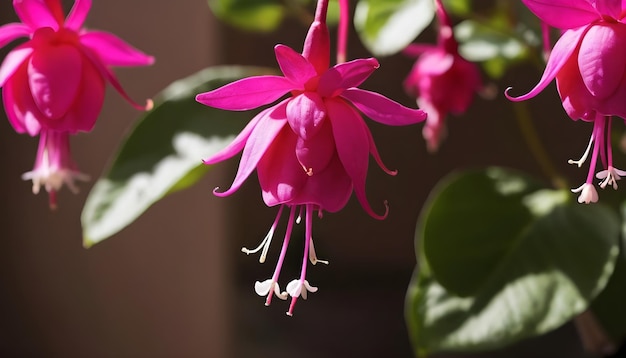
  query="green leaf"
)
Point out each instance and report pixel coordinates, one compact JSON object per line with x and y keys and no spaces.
{"x":163,"y":153}
{"x":251,"y":15}
{"x":388,"y":26}
{"x":503,"y":259}
{"x":609,"y":307}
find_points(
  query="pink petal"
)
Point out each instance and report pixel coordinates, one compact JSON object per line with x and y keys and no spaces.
{"x":353,"y":147}
{"x":306,"y":113}
{"x":247,"y":93}
{"x":114,"y":51}
{"x":315,"y":153}
{"x":601,"y":58}
{"x":78,"y":14}
{"x":382,"y":109}
{"x":86,"y":108}
{"x":10,"y":32}
{"x":239,"y":142}
{"x":563,"y":14}
{"x":13,"y":61}
{"x":561,"y":52}
{"x":577,"y":101}
{"x":35,"y":14}
{"x":110,"y":77}
{"x":346,"y":75}
{"x":434,"y":63}
{"x":416,"y":50}
{"x":18,"y":103}
{"x":294,"y":66}
{"x":280,"y":175}
{"x":262,"y":136}
{"x":316,"y":47}
{"x":611,"y":8}
{"x":376,"y":155}
{"x":330,"y":189}
{"x":54,"y":76}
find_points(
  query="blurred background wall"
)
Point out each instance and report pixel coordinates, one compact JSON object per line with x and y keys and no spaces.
{"x":174,"y":284}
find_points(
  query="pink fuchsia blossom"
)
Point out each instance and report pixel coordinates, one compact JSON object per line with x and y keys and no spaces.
{"x":312,"y":149}
{"x":56,"y":80}
{"x":441,"y":79}
{"x":54,"y":165}
{"x":589,"y":64}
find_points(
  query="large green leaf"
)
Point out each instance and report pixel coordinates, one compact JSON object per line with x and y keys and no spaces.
{"x":388,"y":26}
{"x":163,"y":153}
{"x":502,"y":259}
{"x":610,"y":306}
{"x":251,"y":15}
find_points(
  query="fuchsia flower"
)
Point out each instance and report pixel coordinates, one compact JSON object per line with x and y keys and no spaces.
{"x":589,"y":64}
{"x":310,"y":150}
{"x":442,"y":80}
{"x":55,"y":82}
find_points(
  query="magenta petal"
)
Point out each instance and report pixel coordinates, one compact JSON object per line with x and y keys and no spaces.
{"x":114,"y":51}
{"x":376,"y":155}
{"x":260,"y":139}
{"x":416,"y":50}
{"x":346,"y":75}
{"x":611,"y":8}
{"x":109,"y":76}
{"x":35,"y":14}
{"x":10,"y":32}
{"x":306,"y":113}
{"x":54,"y":77}
{"x":316,"y":47}
{"x":330,"y":189}
{"x":294,"y":66}
{"x":13,"y":61}
{"x":382,"y":109}
{"x":88,"y":104}
{"x":247,"y":93}
{"x":563,"y":49}
{"x":239,"y":142}
{"x":601,"y":58}
{"x":21,"y":111}
{"x":315,"y":153}
{"x":280,"y":175}
{"x":563,"y":14}
{"x":78,"y":14}
{"x":353,"y":147}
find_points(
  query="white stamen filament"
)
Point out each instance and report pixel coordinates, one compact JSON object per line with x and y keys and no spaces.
{"x":582,"y":159}
{"x":313,"y":257}
{"x":265,"y":245}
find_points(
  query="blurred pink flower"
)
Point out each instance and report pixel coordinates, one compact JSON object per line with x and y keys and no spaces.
{"x":56,"y":80}
{"x":441,"y":79}
{"x":311,"y":149}
{"x":589,"y":64}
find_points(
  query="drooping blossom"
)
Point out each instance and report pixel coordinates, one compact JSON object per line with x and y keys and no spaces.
{"x":441,"y":79}
{"x":55,"y":81}
{"x":589,"y":64}
{"x":310,"y":150}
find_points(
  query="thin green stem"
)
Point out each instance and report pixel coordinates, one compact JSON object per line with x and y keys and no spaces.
{"x":529,"y":132}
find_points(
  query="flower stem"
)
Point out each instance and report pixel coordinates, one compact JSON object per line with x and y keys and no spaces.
{"x":342,"y":31}
{"x":529,"y":132}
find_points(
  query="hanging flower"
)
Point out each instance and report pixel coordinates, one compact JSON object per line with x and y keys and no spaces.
{"x":589,"y":64}
{"x":56,"y":80}
{"x":312,"y":149}
{"x":441,"y":79}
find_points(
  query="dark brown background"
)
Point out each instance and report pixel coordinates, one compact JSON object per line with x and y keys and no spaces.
{"x":174,"y":284}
